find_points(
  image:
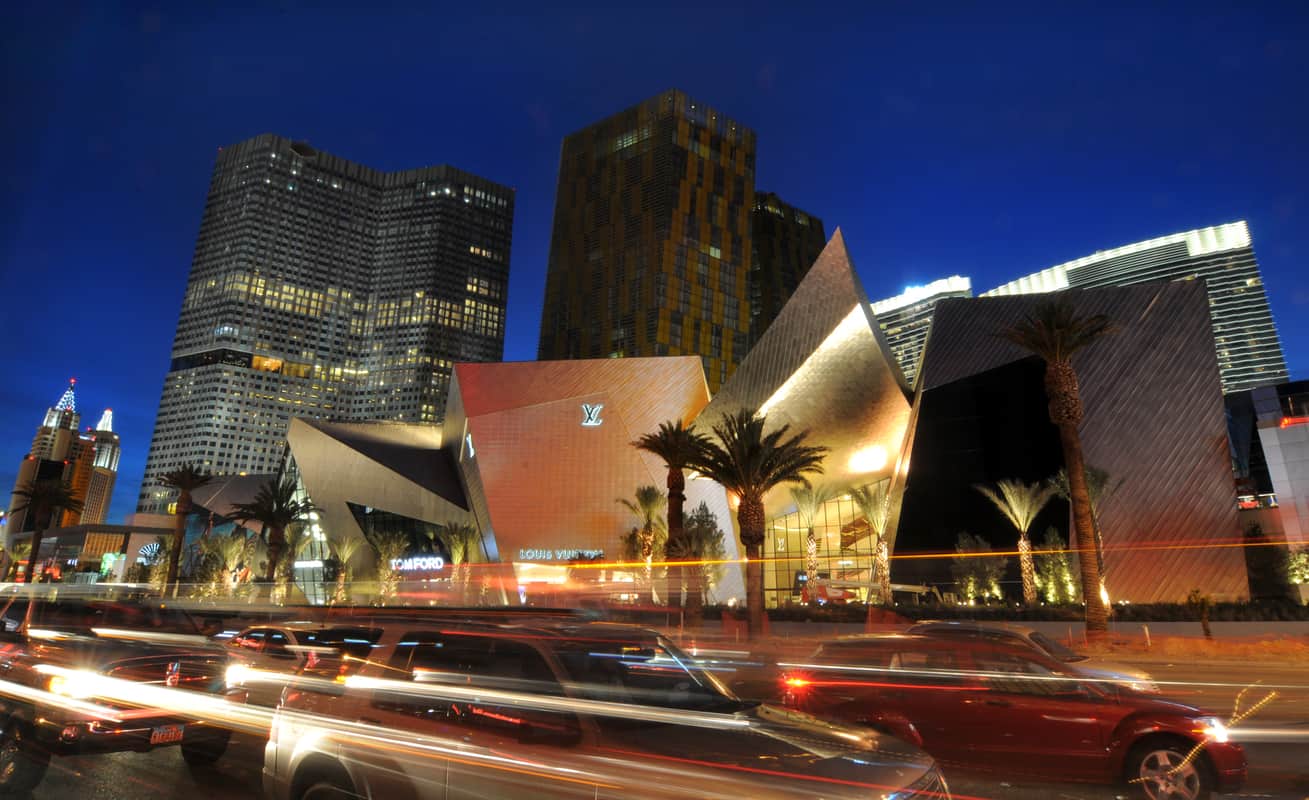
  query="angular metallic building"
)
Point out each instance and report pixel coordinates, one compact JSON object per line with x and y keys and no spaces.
{"x":1245,"y":338}
{"x":322,"y":288}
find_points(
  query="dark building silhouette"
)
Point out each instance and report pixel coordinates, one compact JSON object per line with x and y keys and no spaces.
{"x":785,"y":241}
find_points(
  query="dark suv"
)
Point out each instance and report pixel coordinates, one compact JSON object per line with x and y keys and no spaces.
{"x":555,"y":708}
{"x":52,"y":652}
{"x":994,"y":707}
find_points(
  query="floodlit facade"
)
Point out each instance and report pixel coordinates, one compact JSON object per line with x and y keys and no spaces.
{"x":906,"y":319}
{"x":1282,"y":414}
{"x":1245,"y":338}
{"x":325,"y":289}
{"x":650,"y":249}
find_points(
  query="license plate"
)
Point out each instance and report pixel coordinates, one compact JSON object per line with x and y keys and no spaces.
{"x":166,"y":734}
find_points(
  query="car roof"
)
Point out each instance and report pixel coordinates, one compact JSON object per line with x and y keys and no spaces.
{"x":970,"y":625}
{"x":919,"y":641}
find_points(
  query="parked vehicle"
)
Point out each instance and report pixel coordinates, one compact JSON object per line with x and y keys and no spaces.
{"x":556,"y":708}
{"x":265,"y":657}
{"x":1089,"y":667}
{"x":993,"y":707}
{"x":49,"y":651}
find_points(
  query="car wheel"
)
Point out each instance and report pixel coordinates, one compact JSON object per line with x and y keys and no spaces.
{"x":201,"y":752}
{"x":22,"y":762}
{"x":1168,"y":769}
{"x":330,"y":790}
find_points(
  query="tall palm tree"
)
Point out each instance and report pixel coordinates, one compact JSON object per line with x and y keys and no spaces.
{"x":809,"y":500}
{"x":748,"y":462}
{"x":344,"y":546}
{"x":649,"y":502}
{"x":1054,"y":331}
{"x":460,"y":538}
{"x":874,"y":506}
{"x":1020,"y":503}
{"x":41,"y":499}
{"x":1099,"y":485}
{"x":677,"y":446}
{"x":275,"y":508}
{"x":184,"y":480}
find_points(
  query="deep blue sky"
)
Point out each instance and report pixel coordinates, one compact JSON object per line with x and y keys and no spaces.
{"x":978,"y":139}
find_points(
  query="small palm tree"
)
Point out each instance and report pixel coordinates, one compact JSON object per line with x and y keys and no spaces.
{"x":1055,"y":332}
{"x":344,"y":546}
{"x":275,"y":508}
{"x":388,"y":545}
{"x":873,"y":504}
{"x":649,"y":502}
{"x":748,"y":463}
{"x":460,"y":539}
{"x":41,"y":499}
{"x":809,"y":500}
{"x":229,"y":551}
{"x":298,"y":538}
{"x":184,"y":480}
{"x":1020,"y":503}
{"x":677,"y":446}
{"x":18,"y":552}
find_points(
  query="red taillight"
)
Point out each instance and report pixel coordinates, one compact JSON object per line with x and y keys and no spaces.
{"x":796,"y":683}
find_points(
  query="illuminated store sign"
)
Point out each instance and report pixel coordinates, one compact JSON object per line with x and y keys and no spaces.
{"x":591,"y":415}
{"x":418,"y":564}
{"x":542,"y":554}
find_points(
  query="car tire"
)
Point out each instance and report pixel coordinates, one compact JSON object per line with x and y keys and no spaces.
{"x":202,"y":752}
{"x":22,"y":762}
{"x":1164,"y":768}
{"x":330,"y":790}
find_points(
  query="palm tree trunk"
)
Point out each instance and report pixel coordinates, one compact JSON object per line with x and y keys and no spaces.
{"x":179,"y":536}
{"x":677,"y":573}
{"x":31,"y":557}
{"x":339,"y":596}
{"x":884,"y":571}
{"x":810,"y":562}
{"x":647,"y":555}
{"x":1097,"y":616}
{"x":694,"y":573}
{"x":750,"y":516}
{"x":1028,"y":570}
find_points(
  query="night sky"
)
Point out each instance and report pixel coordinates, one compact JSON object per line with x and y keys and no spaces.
{"x":981,"y":139}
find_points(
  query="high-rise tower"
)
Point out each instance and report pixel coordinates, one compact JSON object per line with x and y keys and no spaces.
{"x":906,"y":319}
{"x":323,"y":288}
{"x":650,"y":249}
{"x":1249,"y":352}
{"x":785,"y":242}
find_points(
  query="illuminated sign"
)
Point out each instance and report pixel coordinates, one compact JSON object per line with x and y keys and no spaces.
{"x":563,"y":554}
{"x":468,"y":440}
{"x":591,"y":415}
{"x":418,"y":564}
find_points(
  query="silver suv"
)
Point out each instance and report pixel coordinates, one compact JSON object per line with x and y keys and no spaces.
{"x":558,"y":709}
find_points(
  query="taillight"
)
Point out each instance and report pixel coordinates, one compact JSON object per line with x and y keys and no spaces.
{"x":794,"y":689}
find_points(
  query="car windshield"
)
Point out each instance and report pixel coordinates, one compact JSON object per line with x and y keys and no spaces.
{"x":86,"y":617}
{"x":1054,"y":649}
{"x":652,"y":672}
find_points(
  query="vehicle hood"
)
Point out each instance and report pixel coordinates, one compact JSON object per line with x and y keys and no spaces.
{"x":96,"y":651}
{"x":1140,"y":702}
{"x":784,"y":741}
{"x":1099,"y":669}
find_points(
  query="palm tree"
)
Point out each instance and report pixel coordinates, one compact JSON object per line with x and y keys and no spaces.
{"x":344,"y":546}
{"x":809,"y":500}
{"x":1055,"y":332}
{"x":275,"y":508}
{"x":1099,"y":485}
{"x":748,"y":463}
{"x":459,"y":538}
{"x":18,"y":551}
{"x":41,"y":499}
{"x":184,"y":480}
{"x":388,"y":544}
{"x":229,"y":551}
{"x":1020,"y":503}
{"x":298,"y":538}
{"x":649,"y":502}
{"x":677,"y":446}
{"x":872,"y":502}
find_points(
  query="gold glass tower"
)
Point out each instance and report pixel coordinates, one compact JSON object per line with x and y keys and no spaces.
{"x":650,"y":249}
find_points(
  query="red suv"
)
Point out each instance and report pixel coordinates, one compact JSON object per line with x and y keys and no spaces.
{"x":991,"y":707}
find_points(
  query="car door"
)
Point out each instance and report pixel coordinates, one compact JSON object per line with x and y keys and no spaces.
{"x":278,"y":659}
{"x":1032,"y":720}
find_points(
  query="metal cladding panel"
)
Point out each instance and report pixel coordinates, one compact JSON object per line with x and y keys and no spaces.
{"x":548,"y":481}
{"x":1154,"y":419}
{"x":823,"y":366}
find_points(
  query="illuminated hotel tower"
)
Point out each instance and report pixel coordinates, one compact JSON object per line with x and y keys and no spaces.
{"x":325,"y":289}
{"x":906,"y":319}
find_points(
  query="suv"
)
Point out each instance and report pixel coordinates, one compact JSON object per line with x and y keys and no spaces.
{"x":46,"y":644}
{"x":1089,"y":667}
{"x":558,"y":708}
{"x":1009,"y":709}
{"x":264,"y":657}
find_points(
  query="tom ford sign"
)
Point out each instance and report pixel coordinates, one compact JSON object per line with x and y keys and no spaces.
{"x":418,"y":564}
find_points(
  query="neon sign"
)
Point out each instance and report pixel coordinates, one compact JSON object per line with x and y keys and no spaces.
{"x":418,"y":564}
{"x":561,"y":554}
{"x":591,"y":415}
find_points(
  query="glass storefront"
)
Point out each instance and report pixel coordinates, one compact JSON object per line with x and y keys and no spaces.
{"x":845,"y":557}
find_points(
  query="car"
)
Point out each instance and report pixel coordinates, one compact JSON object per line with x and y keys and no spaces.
{"x":985,"y":706}
{"x":51,"y":650}
{"x":264,"y":657}
{"x":1089,"y":667}
{"x":559,"y":708}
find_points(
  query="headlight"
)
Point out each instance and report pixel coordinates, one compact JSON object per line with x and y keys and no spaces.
{"x":1213,"y":729}
{"x":236,"y":675}
{"x":70,"y":685}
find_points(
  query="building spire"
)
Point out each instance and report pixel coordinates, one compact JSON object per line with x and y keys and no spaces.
{"x":67,"y":402}
{"x":106,"y":422}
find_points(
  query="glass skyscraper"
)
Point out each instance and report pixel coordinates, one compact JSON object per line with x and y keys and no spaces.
{"x":650,"y":248}
{"x":906,"y":319}
{"x":785,"y":242}
{"x":323,"y":288}
{"x":1249,"y":351}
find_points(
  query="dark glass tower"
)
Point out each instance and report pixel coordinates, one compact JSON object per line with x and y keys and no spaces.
{"x":650,"y":249}
{"x":323,"y":288}
{"x":785,"y":242}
